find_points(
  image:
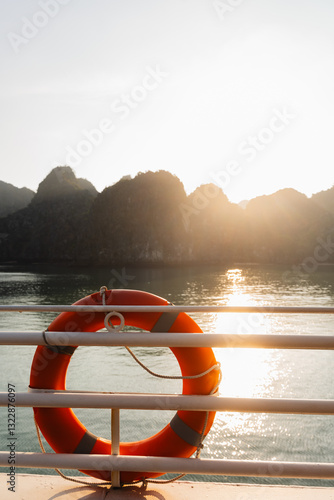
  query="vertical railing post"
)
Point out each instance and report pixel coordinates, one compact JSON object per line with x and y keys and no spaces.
{"x":115,"y":440}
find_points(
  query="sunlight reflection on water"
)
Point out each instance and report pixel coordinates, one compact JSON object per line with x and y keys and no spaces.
{"x":246,"y":372}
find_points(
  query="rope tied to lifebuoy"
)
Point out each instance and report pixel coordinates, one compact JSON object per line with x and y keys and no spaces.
{"x":112,"y":328}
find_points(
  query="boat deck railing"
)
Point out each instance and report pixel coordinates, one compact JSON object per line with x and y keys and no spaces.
{"x":118,"y":401}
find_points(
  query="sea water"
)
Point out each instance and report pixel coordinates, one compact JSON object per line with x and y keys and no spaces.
{"x":246,"y":372}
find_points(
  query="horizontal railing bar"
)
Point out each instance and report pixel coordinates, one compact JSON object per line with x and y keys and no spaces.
{"x":172,"y":465}
{"x":146,"y":339}
{"x":168,"y":308}
{"x":67,"y":399}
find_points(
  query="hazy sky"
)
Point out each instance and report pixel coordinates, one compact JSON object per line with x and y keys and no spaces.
{"x":236,"y":92}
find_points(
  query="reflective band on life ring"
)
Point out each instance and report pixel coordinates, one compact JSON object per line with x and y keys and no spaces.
{"x":63,"y":430}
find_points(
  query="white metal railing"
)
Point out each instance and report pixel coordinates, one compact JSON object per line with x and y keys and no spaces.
{"x":169,"y":308}
{"x":81,"y":399}
{"x":173,"y":465}
{"x":115,"y":402}
{"x":135,"y":339}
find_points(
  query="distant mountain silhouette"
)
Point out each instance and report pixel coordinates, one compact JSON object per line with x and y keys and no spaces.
{"x":325,"y":199}
{"x":149,"y":219}
{"x":53,"y":227}
{"x":284,"y":226}
{"x":214,"y":225}
{"x":61,"y":183}
{"x":13,"y":199}
{"x":138,"y":220}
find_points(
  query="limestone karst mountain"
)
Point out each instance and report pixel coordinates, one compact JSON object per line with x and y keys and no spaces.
{"x":149,"y":219}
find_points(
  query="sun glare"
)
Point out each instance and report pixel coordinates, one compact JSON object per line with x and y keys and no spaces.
{"x":245,"y":372}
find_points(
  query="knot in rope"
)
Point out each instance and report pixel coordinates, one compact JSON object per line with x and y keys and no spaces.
{"x":103,"y":290}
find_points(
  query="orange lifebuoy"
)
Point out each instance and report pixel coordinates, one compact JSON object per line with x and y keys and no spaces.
{"x":64,"y":431}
